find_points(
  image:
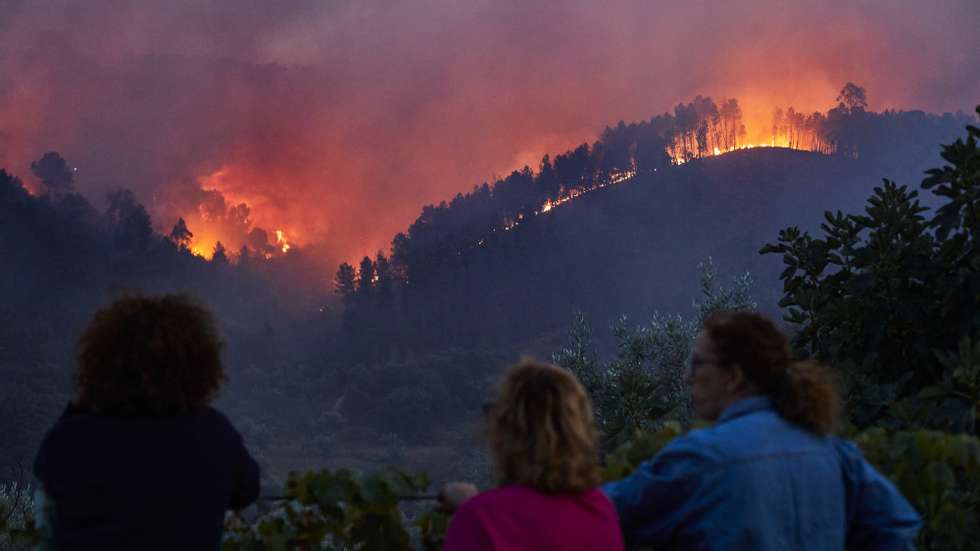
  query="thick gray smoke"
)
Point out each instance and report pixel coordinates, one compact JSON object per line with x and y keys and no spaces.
{"x":336,"y":121}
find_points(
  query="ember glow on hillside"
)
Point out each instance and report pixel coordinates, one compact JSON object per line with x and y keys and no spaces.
{"x":335,"y":122}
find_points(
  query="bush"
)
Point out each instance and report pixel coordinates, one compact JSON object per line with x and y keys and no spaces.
{"x":339,"y":510}
{"x":889,"y":297}
{"x":17,"y":529}
{"x":939,"y":473}
{"x":645,"y":383}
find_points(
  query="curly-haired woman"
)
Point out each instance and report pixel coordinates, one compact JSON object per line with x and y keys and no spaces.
{"x":768,"y":474}
{"x":139,"y":460}
{"x":545,"y":449}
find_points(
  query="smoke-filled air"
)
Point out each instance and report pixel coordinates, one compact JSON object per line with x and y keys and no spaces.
{"x":324,"y":243}
{"x":333,"y":122}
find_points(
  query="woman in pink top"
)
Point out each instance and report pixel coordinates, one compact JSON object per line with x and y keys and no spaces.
{"x":545,"y":448}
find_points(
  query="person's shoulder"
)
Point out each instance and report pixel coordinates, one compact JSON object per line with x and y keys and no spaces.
{"x":845,"y":447}
{"x":71,"y":421}
{"x":213,"y":415}
{"x":480,"y":502}
{"x":850,"y":456}
{"x":502,"y":496}
{"x":501,"y":493}
{"x":74,"y":425}
{"x":698,"y":446}
{"x":216,"y":422}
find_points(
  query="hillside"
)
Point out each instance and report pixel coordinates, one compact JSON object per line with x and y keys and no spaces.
{"x":629,"y":248}
{"x":639,"y":244}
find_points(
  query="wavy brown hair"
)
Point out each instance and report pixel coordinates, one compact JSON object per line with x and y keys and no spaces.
{"x":803,"y":393}
{"x":542,"y":431}
{"x":149,"y":356}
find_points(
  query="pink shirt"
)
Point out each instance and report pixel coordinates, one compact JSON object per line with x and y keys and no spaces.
{"x":519,"y":517}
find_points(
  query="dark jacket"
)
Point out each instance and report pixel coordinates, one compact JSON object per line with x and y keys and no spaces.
{"x":144,"y":483}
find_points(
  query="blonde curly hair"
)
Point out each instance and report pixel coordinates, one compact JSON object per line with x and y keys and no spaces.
{"x":542,"y":432}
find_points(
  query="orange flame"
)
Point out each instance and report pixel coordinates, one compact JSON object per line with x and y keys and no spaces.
{"x":282,"y":242}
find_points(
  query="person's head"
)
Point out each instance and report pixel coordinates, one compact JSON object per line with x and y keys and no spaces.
{"x":149,"y":356}
{"x":542,"y":431}
{"x":741,"y":354}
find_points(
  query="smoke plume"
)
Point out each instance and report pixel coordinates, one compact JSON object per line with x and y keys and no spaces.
{"x":334,"y":122}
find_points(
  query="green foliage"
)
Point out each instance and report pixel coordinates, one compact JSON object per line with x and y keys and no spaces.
{"x":17,"y":528}
{"x":891,"y":297}
{"x":645,"y":382}
{"x":338,"y":510}
{"x":644,"y":445}
{"x":432,"y":529}
{"x":939,"y":473}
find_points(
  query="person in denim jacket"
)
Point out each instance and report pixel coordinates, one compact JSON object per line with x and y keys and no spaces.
{"x":768,"y":474}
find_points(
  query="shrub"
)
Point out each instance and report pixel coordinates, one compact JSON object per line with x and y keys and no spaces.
{"x":645,"y":383}
{"x":339,"y":510}
{"x":17,"y":528}
{"x":889,"y":297}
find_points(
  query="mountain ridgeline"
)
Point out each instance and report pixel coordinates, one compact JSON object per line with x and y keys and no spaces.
{"x":639,"y":209}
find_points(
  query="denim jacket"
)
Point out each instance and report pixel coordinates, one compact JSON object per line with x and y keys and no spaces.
{"x":756,"y":481}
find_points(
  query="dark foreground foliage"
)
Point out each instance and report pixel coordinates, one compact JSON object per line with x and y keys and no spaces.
{"x":891,"y":297}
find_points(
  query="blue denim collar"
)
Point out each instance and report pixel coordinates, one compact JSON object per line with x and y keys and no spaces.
{"x":745,"y":406}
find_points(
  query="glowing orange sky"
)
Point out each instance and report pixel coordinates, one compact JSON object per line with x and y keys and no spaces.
{"x":337,"y":122}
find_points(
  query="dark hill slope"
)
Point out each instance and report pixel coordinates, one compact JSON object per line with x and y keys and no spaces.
{"x":634,"y":248}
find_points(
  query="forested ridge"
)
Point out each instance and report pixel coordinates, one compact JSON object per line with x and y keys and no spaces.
{"x":489,"y":248}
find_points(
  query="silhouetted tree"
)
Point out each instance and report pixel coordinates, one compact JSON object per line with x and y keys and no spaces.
{"x":617,"y":145}
{"x":128,"y":220}
{"x":547,"y":180}
{"x":220,"y":255}
{"x":382,"y":270}
{"x":365,"y":278}
{"x":731,"y":120}
{"x":345,"y":281}
{"x":258,"y":241}
{"x":181,"y":236}
{"x":651,"y":150}
{"x":852,"y":98}
{"x":707,"y":115}
{"x":58,"y":178}
{"x":686,"y":119}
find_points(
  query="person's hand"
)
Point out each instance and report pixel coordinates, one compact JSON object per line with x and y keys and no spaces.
{"x":454,"y":494}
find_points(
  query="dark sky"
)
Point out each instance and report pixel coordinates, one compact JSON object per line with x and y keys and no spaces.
{"x":337,"y":121}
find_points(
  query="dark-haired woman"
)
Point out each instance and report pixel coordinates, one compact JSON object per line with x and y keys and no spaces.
{"x":139,"y":460}
{"x":768,"y":474}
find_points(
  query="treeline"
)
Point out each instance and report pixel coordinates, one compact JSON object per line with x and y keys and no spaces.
{"x":426,"y":282}
{"x":63,"y":258}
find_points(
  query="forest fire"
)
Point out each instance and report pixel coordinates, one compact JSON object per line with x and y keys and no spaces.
{"x":282,"y":242}
{"x":698,"y":129}
{"x":221,"y":220}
